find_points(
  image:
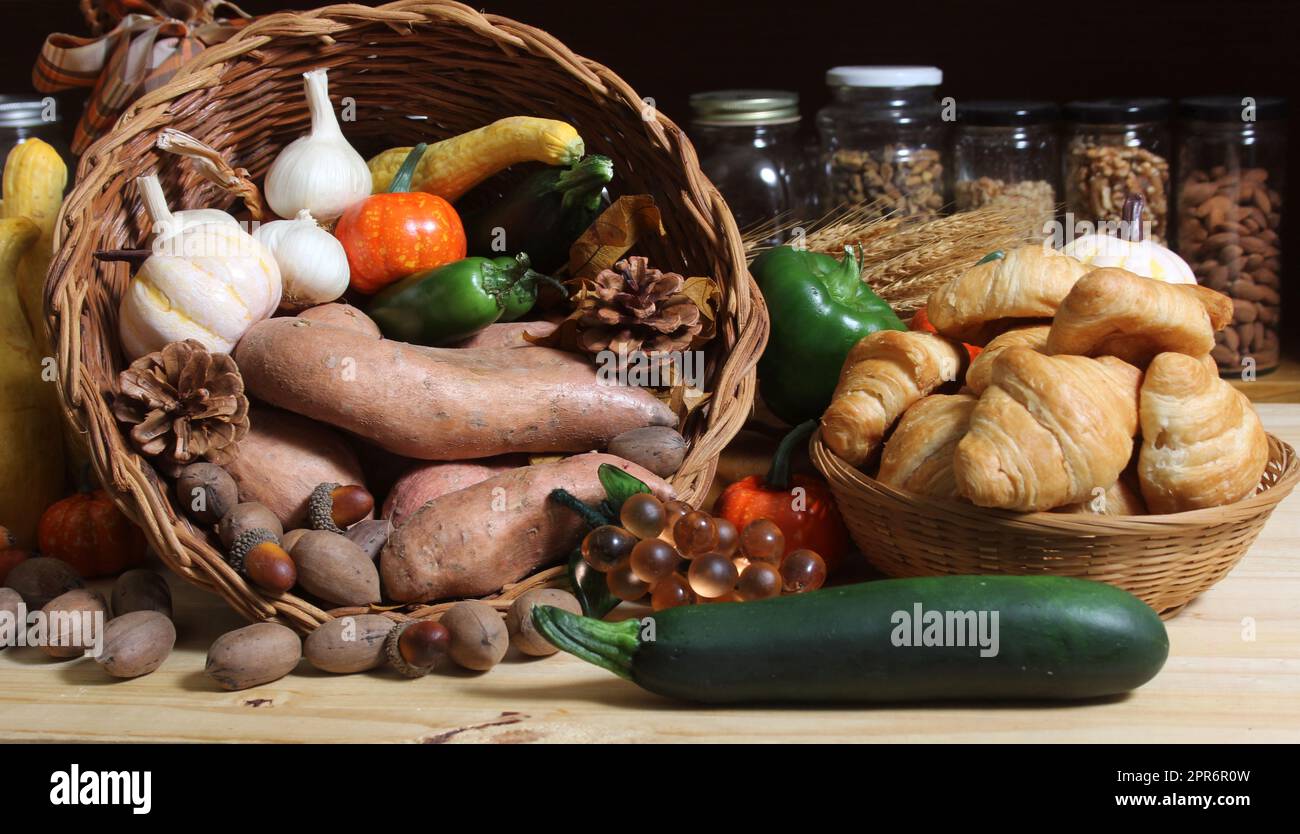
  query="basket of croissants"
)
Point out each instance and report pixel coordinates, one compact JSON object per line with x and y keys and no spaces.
{"x":1091,"y":436}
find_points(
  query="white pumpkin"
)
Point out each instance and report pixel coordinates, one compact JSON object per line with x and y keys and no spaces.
{"x":209,"y":281}
{"x":1142,"y":257}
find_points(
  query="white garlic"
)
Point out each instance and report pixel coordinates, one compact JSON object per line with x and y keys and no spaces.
{"x":208,"y":281}
{"x":319,"y":172}
{"x":313,"y":264}
{"x":174,"y":223}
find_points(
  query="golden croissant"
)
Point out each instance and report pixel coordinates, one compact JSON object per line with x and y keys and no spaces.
{"x":1048,"y":430}
{"x":1029,"y":282}
{"x":1033,"y":337}
{"x":918,"y":457}
{"x":1123,"y":498}
{"x":884,"y":373}
{"x":1202,"y":443}
{"x":1113,"y":312}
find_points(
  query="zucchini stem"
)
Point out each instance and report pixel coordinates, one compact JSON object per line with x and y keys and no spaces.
{"x":611,"y":646}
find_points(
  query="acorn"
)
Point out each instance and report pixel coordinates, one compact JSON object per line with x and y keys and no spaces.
{"x":415,"y":648}
{"x":335,"y":507}
{"x":257,"y":555}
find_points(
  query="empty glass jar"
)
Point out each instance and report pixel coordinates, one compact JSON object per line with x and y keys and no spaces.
{"x":749,"y":146}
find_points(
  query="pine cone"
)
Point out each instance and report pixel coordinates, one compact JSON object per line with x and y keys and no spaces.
{"x":634,"y":307}
{"x":183,"y":404}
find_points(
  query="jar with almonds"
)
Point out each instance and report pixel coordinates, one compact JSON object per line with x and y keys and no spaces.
{"x":1231,"y":159}
{"x":1114,"y":148}
{"x":882,"y":140}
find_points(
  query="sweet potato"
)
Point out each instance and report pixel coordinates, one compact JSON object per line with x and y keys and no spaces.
{"x":284,"y":457}
{"x":440,"y":404}
{"x":508,"y":334}
{"x":426,"y":481}
{"x":343,"y":315}
{"x":474,"y":541}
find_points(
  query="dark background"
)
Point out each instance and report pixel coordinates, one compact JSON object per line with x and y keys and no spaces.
{"x":1056,"y":50}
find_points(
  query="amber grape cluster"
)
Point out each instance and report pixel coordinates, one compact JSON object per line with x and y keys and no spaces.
{"x":680,"y":556}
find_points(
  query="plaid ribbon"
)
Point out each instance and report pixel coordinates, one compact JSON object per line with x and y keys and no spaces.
{"x":148,"y":43}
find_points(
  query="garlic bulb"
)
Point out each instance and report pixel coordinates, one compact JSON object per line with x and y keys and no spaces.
{"x":313,"y":265}
{"x":209,"y":281}
{"x":168,"y":223}
{"x":319,"y":172}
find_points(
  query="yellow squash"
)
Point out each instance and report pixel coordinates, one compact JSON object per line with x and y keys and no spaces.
{"x":453,"y":166}
{"x":31,"y":462}
{"x":34,"y":179}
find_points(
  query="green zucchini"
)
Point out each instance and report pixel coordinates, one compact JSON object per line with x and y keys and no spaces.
{"x":543,"y":215}
{"x":1055,"y":638}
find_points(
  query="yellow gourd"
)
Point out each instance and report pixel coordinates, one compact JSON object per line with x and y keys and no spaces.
{"x":34,"y":179}
{"x":31,"y":462}
{"x":453,"y":166}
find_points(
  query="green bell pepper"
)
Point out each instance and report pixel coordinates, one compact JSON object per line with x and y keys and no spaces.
{"x":820,"y":308}
{"x":455,"y":301}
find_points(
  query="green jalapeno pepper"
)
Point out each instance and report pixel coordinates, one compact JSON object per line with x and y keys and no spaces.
{"x":455,"y":301}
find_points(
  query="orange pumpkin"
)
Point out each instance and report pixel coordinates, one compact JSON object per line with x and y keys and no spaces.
{"x":88,"y":532}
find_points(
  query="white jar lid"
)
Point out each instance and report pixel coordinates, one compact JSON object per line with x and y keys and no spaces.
{"x":901,"y":76}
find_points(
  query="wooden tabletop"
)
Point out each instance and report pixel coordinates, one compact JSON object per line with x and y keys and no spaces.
{"x":1233,"y":675}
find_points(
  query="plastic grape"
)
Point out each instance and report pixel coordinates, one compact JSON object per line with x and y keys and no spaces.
{"x":728,"y":537}
{"x":606,"y":546}
{"x":643,"y":516}
{"x":802,"y":570}
{"x":763,"y":541}
{"x":670,"y":593}
{"x":695,"y":534}
{"x":652,"y":560}
{"x":760,"y":580}
{"x":622,"y":582}
{"x":673,"y":512}
{"x":712,"y":575}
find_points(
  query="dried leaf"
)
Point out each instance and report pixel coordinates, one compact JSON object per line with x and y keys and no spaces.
{"x":618,"y":228}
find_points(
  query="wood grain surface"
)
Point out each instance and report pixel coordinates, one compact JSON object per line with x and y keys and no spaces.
{"x":1233,"y":675}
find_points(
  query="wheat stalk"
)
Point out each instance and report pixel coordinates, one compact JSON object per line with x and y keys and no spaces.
{"x":905,"y":259}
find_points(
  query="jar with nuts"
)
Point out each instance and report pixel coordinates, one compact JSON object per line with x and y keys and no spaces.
{"x":1231,"y":157}
{"x":1006,"y":153}
{"x":1114,"y":148}
{"x":882,"y":140}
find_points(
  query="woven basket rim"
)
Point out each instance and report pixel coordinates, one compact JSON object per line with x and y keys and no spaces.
{"x":846,"y":476}
{"x":130,"y":481}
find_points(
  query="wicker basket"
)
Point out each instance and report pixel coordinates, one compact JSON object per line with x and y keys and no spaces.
{"x":418,"y":57}
{"x":1165,"y":560}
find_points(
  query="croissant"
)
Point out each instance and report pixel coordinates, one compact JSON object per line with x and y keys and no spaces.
{"x":1123,"y":498}
{"x":1048,"y":430}
{"x":1113,"y":312}
{"x":918,"y":456}
{"x":1029,"y":282}
{"x":1202,"y":443}
{"x":1033,"y":337}
{"x":884,"y":373}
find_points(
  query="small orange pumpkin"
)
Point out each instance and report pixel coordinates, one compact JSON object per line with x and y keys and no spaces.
{"x":88,"y":532}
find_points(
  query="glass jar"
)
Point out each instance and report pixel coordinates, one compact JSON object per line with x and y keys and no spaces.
{"x":1114,"y":148}
{"x":882,"y":140}
{"x":749,"y":146}
{"x":29,"y":117}
{"x":1006,"y":153}
{"x":1231,"y":163}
